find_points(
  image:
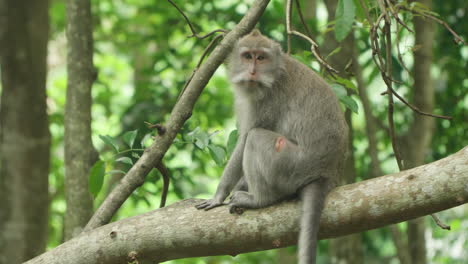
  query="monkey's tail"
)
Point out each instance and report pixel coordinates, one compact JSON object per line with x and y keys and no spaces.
{"x":313,"y":197}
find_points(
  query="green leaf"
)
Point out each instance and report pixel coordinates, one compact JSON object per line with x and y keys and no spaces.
{"x":214,"y":133}
{"x":339,"y":90}
{"x":344,"y":14}
{"x":338,"y":49}
{"x":303,"y":57}
{"x":350,"y":103}
{"x":125,"y":160}
{"x":116,"y":171}
{"x":147,"y":140}
{"x":96,"y":177}
{"x":218,"y":154}
{"x":342,"y":95}
{"x":232,"y":141}
{"x":346,"y":83}
{"x":129,"y":137}
{"x":192,"y":134}
{"x":200,"y":138}
{"x":360,"y":14}
{"x":109,"y":141}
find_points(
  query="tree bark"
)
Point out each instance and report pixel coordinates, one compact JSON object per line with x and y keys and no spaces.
{"x":181,"y":231}
{"x":24,"y":132}
{"x":79,"y":150}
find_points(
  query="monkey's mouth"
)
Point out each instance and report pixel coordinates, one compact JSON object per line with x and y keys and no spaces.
{"x":252,"y":78}
{"x":251,"y":82}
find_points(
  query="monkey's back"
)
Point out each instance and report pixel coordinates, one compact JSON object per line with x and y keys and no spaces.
{"x":312,"y":116}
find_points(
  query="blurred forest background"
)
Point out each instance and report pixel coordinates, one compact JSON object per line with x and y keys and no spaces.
{"x":143,"y":57}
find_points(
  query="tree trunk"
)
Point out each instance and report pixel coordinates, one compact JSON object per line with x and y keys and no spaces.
{"x":418,"y":138}
{"x":400,"y":242}
{"x":347,"y":249}
{"x":79,"y":151}
{"x":24,"y":132}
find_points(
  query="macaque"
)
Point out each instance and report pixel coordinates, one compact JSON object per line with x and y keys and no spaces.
{"x":292,"y":136}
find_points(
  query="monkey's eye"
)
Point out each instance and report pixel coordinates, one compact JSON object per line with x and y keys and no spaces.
{"x":260,"y":57}
{"x":247,"y":56}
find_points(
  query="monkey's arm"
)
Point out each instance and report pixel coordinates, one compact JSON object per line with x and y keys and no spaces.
{"x":231,"y":175}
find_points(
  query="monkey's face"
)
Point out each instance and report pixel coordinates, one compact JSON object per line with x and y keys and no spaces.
{"x":255,"y":64}
{"x":254,"y":68}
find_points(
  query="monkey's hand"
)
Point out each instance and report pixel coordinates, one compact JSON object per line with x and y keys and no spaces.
{"x":209,"y":204}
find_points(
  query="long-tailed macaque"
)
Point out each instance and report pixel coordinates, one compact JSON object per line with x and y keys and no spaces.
{"x":292,"y":136}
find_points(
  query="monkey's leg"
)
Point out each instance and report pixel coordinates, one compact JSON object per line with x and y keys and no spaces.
{"x":231,"y":175}
{"x":241,"y":185}
{"x":269,"y":159}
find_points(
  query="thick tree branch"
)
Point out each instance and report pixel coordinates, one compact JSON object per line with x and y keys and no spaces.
{"x":181,"y":231}
{"x":181,"y":112}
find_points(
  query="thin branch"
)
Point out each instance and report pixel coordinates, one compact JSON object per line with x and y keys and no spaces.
{"x":439,"y":223}
{"x":159,"y":127}
{"x":379,"y":61}
{"x":415,"y":109}
{"x":192,"y":28}
{"x":366,"y":11}
{"x":200,"y":61}
{"x":313,"y":47}
{"x":374,"y":40}
{"x":166,"y":180}
{"x":397,"y":44}
{"x":304,"y":24}
{"x":388,"y":64}
{"x":397,"y":18}
{"x":456,"y":37}
{"x":288,"y":15}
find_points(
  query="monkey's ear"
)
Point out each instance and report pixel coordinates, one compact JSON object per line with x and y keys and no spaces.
{"x":255,"y":32}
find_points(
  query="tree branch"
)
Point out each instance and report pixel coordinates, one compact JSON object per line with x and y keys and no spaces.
{"x":181,"y":231}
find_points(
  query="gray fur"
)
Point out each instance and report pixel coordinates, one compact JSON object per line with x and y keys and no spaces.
{"x":283,"y":99}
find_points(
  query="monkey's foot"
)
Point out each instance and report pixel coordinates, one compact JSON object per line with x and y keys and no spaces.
{"x":239,"y":201}
{"x":236,"y":210}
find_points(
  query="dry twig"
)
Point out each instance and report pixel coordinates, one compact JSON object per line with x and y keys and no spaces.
{"x":439,"y":223}
{"x":200,"y":61}
{"x":166,"y":180}
{"x":386,"y":72}
{"x":192,"y":28}
{"x":389,"y":83}
{"x":379,"y":60}
{"x":313,"y":47}
{"x":457,"y":38}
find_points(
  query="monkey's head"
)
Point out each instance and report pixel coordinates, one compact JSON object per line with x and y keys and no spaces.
{"x":256,"y":62}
